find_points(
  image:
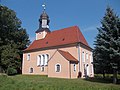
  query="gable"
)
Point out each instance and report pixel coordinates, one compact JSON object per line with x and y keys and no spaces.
{"x":66,"y":55}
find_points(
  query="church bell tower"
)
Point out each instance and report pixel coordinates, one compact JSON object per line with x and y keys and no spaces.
{"x":43,"y":25}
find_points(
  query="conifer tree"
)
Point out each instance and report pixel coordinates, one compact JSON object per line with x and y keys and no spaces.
{"x":107,"y":44}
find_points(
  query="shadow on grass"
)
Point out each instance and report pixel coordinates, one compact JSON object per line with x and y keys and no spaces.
{"x":101,"y":80}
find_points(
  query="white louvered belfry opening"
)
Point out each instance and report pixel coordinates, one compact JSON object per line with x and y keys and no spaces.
{"x":42,"y":60}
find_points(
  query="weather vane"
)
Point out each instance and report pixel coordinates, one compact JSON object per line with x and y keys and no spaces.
{"x":44,"y":6}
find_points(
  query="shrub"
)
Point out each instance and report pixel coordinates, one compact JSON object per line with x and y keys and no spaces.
{"x":11,"y":71}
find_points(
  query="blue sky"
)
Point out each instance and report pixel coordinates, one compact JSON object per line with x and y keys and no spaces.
{"x":86,"y":14}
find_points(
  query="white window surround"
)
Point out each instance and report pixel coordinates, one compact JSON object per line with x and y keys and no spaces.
{"x":38,"y":60}
{"x":31,"y":70}
{"x":57,"y":69}
{"x":46,"y":59}
{"x":44,"y":23}
{"x":87,"y":69}
{"x":28,"y":56}
{"x":42,"y":60}
{"x":91,"y":57}
{"x":42,"y":69}
{"x":83,"y":56}
{"x":86,"y":56}
{"x":74,"y":67}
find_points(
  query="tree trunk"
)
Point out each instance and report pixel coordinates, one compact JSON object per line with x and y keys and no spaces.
{"x":103,"y":73}
{"x":115,"y":76}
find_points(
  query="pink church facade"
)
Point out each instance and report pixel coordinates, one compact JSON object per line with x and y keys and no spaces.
{"x":61,"y":53}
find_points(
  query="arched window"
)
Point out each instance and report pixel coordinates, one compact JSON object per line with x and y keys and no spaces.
{"x":46,"y":59}
{"x":83,"y":57}
{"x":86,"y":56}
{"x":38,"y":60}
{"x":74,"y":66}
{"x":41,"y":61}
{"x":87,"y":70}
{"x":57,"y":68}
{"x":28,"y":57}
{"x":42,"y":68}
{"x":31,"y":70}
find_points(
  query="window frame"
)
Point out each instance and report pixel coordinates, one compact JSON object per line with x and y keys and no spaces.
{"x":38,"y":60}
{"x":28,"y":57}
{"x":83,"y":56}
{"x":74,"y":67}
{"x":87,"y":56}
{"x":56,"y":68}
{"x":42,"y":68}
{"x":31,"y":70}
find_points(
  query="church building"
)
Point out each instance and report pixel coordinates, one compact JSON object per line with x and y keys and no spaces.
{"x":62,"y":53}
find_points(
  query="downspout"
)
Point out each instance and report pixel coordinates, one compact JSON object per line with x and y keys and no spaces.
{"x":79,"y":73}
{"x":70,"y":69}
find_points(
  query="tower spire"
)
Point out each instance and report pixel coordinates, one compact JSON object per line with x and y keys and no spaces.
{"x":43,"y":20}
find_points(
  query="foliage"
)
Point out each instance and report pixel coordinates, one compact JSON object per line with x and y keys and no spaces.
{"x":25,"y":82}
{"x":13,"y":39}
{"x":107,"y":44}
{"x":11,"y":71}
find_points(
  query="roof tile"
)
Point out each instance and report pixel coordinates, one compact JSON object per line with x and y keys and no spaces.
{"x":59,"y":37}
{"x":68,"y":56}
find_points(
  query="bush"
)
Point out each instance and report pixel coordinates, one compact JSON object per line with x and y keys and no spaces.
{"x":11,"y":71}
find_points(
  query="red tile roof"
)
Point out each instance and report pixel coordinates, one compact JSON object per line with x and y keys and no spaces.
{"x":59,"y":37}
{"x":67,"y":56}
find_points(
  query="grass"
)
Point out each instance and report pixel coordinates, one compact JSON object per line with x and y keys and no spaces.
{"x":36,"y":82}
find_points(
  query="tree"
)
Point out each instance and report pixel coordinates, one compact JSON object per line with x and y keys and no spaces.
{"x":107,"y":44}
{"x":13,"y":39}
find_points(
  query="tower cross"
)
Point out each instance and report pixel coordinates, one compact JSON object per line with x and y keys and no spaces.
{"x":44,"y":7}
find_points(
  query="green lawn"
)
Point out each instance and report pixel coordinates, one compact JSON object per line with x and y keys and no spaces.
{"x":27,"y":82}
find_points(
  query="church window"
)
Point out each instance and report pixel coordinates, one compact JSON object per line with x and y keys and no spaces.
{"x":57,"y":68}
{"x":28,"y":56}
{"x":83,"y":57}
{"x":46,"y":59}
{"x":42,"y":68}
{"x":31,"y":70}
{"x":38,"y":60}
{"x":74,"y":66}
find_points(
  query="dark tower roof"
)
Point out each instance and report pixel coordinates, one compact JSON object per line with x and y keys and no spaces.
{"x":43,"y":16}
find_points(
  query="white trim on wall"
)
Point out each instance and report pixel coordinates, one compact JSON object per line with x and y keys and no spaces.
{"x":28,"y":56}
{"x":57,"y":68}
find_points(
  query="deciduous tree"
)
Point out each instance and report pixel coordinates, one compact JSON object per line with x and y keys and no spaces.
{"x":13,"y":39}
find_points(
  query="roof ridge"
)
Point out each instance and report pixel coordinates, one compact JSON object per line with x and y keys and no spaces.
{"x":68,"y":56}
{"x":64,"y":28}
{"x":56,"y":38}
